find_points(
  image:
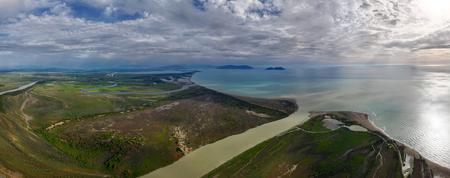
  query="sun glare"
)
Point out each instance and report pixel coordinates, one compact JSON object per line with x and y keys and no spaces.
{"x":436,"y":11}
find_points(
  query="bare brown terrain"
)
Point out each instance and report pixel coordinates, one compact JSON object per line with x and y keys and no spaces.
{"x":126,"y":125}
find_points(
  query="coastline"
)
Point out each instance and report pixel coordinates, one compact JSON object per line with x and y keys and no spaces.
{"x":206,"y":97}
{"x":363,"y":120}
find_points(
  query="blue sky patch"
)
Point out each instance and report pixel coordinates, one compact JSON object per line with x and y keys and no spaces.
{"x":269,"y":9}
{"x":85,"y":11}
{"x":199,"y":4}
{"x":3,"y":35}
{"x":40,"y":11}
{"x":263,"y":12}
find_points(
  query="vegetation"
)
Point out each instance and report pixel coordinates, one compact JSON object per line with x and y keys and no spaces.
{"x":314,"y":151}
{"x":123,"y":125}
{"x":23,"y":151}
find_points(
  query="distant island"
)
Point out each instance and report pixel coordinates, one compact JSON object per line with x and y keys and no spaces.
{"x":234,"y":67}
{"x":275,"y":68}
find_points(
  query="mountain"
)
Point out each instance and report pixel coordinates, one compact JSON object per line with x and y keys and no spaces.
{"x":234,"y":67}
{"x":275,"y":68}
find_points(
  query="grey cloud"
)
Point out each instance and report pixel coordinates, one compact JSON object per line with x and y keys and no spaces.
{"x":227,"y":29}
{"x":439,"y":39}
{"x":13,"y":8}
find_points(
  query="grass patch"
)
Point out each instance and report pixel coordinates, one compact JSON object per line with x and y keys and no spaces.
{"x":339,"y":153}
{"x":316,"y":126}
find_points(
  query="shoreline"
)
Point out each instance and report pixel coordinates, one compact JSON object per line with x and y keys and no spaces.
{"x":363,"y":120}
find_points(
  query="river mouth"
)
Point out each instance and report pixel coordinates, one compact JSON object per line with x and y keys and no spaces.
{"x":410,"y":105}
{"x":208,"y":157}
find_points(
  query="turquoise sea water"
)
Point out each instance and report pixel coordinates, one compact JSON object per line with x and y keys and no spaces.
{"x":411,"y":105}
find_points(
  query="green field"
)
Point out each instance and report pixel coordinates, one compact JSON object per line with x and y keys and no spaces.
{"x":315,"y":151}
{"x":10,"y":81}
{"x":125,"y":125}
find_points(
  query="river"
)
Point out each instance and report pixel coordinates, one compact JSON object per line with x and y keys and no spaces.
{"x":409,"y":104}
{"x":24,"y":87}
{"x":206,"y":158}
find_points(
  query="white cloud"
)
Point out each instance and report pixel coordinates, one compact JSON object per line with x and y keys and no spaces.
{"x":279,"y":29}
{"x":11,"y":8}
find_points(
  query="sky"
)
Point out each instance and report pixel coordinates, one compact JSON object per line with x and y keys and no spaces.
{"x":151,"y":32}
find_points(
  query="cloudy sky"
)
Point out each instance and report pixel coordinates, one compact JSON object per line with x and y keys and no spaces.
{"x":71,"y":32}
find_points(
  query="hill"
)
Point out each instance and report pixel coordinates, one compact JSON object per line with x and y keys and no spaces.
{"x":121,"y":125}
{"x":275,"y":68}
{"x":235,"y":67}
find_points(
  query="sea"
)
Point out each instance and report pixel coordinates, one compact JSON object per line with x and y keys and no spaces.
{"x":410,"y":103}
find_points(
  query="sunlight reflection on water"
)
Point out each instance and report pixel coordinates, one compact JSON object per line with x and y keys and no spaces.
{"x":411,"y":105}
{"x":434,"y":116}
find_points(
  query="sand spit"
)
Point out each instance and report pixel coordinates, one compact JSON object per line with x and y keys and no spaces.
{"x":427,"y":167}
